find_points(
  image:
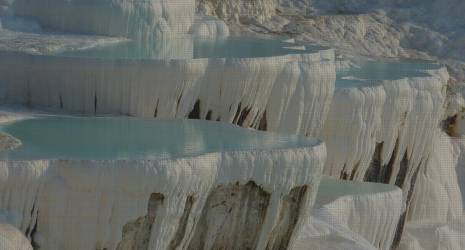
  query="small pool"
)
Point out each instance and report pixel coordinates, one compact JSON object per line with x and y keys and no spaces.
{"x":330,"y":189}
{"x":368,"y":73}
{"x":134,"y":138}
{"x":188,"y":47}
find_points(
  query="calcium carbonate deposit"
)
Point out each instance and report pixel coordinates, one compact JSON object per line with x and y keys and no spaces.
{"x":211,"y":187}
{"x":180,"y":124}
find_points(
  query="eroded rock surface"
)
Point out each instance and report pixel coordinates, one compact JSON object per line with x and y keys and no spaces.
{"x":232,"y":218}
{"x":8,"y":142}
{"x":288,"y":216}
{"x":136,"y":234}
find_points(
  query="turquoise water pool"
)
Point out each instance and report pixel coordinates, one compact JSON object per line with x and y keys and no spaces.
{"x":188,"y":47}
{"x":368,"y":73}
{"x":133,"y":138}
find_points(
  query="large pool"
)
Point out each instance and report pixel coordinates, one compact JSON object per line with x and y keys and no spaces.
{"x":134,"y":138}
{"x":189,"y":47}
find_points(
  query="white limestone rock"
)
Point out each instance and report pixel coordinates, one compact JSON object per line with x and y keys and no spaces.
{"x":97,"y":204}
{"x":206,"y":26}
{"x":368,"y":210}
{"x":12,"y":239}
{"x":124,"y":18}
{"x":279,"y":93}
{"x":321,"y":232}
{"x":242,"y":11}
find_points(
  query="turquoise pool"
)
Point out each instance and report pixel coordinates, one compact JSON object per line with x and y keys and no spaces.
{"x":368,"y":73}
{"x":188,"y":47}
{"x":130,"y":138}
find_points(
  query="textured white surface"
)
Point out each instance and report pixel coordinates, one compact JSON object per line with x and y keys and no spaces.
{"x":206,"y":26}
{"x":290,"y":89}
{"x":17,"y":34}
{"x":369,"y":210}
{"x":321,"y":232}
{"x":437,"y":198}
{"x":12,"y":239}
{"x":126,"y":18}
{"x":84,"y":204}
{"x":401,"y":114}
{"x":240,"y":11}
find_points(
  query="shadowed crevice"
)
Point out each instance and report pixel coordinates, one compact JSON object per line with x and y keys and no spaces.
{"x":403,"y":169}
{"x":263,"y":125}
{"x":403,"y":217}
{"x":376,"y":172}
{"x":195,"y":113}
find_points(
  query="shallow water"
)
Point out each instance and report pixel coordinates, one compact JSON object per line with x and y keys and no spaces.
{"x":133,"y":138}
{"x":188,"y":47}
{"x":373,"y":72}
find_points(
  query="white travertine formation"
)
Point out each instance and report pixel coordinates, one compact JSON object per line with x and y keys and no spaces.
{"x":369,"y":210}
{"x":206,"y":26}
{"x":436,"y":198}
{"x":240,"y":11}
{"x":280,"y":93}
{"x":100,"y":204}
{"x":436,"y":215}
{"x":389,"y":126}
{"x":12,"y":239}
{"x":22,"y":35}
{"x":125,"y":18}
{"x":321,"y":232}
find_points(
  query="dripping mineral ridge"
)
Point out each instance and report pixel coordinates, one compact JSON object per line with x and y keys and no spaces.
{"x":232,"y":124}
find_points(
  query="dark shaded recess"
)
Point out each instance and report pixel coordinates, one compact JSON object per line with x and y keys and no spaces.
{"x":400,"y":180}
{"x":136,"y":234}
{"x":376,"y":172}
{"x":263,"y":123}
{"x":244,"y":113}
{"x":181,"y":230}
{"x":238,"y":112}
{"x":95,"y":103}
{"x":450,"y":126}
{"x":178,"y":101}
{"x":354,"y":170}
{"x":209,"y":115}
{"x":388,"y":168}
{"x":242,"y":211}
{"x":195,"y":113}
{"x":155,"y":113}
{"x":32,"y":229}
{"x":402,"y":220}
{"x":344,"y":175}
{"x":61,"y":102}
{"x":288,"y":216}
{"x":34,"y":244}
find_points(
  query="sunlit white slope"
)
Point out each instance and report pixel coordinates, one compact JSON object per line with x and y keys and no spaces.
{"x":370,"y":210}
{"x":125,"y":18}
